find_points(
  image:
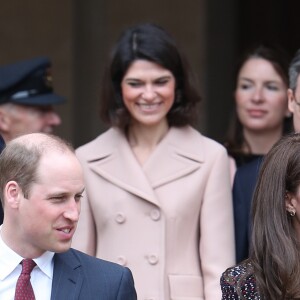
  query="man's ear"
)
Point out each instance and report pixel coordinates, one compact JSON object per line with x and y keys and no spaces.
{"x":12,"y":194}
{"x":4,"y":119}
{"x":291,"y":100}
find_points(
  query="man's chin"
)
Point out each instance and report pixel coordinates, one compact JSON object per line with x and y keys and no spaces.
{"x":62,"y":248}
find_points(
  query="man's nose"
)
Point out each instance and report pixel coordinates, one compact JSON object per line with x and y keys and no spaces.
{"x":53,"y":118}
{"x":72,"y":211}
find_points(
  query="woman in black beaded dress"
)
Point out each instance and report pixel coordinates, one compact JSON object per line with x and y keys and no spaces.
{"x":273,"y":268}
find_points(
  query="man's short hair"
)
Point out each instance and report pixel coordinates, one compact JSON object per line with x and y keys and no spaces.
{"x":294,"y":71}
{"x":20,"y":158}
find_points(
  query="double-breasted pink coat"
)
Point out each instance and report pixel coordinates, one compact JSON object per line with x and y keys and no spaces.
{"x":170,"y":221}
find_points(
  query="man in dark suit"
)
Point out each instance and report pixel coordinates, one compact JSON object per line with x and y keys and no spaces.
{"x":246,"y":176}
{"x":41,"y":186}
{"x":26,"y":100}
{"x":2,"y":145}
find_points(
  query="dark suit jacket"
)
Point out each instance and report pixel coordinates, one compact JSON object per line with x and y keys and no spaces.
{"x":78,"y":276}
{"x":1,"y":213}
{"x":2,"y":145}
{"x":243,"y":189}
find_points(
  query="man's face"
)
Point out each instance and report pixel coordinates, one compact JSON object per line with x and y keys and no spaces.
{"x":48,"y":217}
{"x":18,"y":120}
{"x":294,"y":105}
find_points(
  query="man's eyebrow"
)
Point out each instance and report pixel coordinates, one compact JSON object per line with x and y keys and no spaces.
{"x":64,"y":193}
{"x":53,"y":194}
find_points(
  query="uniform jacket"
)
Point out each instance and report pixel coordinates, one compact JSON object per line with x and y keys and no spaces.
{"x":243,"y":190}
{"x":170,"y":221}
{"x":77,"y":276}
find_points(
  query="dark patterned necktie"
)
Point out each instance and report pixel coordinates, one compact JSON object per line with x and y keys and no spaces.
{"x":24,"y":289}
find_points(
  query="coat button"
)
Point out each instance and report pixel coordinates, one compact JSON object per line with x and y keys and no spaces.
{"x":152,"y":259}
{"x":120,"y":218}
{"x":155,"y":214}
{"x":121,"y":260}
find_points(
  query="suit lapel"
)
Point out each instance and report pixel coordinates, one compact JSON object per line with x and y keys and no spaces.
{"x":67,"y":279}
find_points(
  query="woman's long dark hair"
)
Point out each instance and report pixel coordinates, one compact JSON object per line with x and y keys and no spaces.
{"x":275,"y":252}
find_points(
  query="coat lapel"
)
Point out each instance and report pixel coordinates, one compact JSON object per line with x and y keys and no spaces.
{"x":176,"y":156}
{"x":115,"y":161}
{"x":67,"y":279}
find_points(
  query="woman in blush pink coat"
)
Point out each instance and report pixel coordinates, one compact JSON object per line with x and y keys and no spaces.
{"x":158,"y":194}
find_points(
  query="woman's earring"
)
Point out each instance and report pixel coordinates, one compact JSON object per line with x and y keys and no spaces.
{"x":292,"y":213}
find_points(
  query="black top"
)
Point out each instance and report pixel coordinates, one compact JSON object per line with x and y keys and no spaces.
{"x":243,"y":189}
{"x":243,"y":158}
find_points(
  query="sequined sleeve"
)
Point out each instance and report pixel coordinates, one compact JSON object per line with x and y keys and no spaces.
{"x":228,"y":287}
{"x":239,"y":283}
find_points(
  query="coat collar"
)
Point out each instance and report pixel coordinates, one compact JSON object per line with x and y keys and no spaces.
{"x":177,"y":155}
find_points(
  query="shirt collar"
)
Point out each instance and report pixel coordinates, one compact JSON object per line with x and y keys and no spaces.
{"x":9,"y":260}
{"x":45,"y":262}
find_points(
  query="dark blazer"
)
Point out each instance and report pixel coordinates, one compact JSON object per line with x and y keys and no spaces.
{"x":243,"y":189}
{"x":78,"y":276}
{"x":1,"y":213}
{"x":2,"y":145}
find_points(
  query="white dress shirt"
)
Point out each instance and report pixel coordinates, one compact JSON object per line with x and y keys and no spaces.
{"x":10,"y":270}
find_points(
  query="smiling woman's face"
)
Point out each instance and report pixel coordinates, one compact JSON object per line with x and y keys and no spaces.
{"x":261,"y":96}
{"x":148,"y":92}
